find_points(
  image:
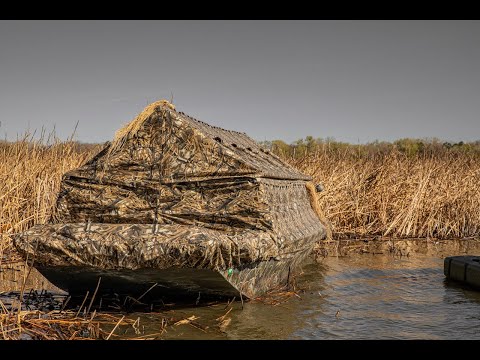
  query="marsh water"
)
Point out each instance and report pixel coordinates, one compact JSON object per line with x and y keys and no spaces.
{"x":363,"y":296}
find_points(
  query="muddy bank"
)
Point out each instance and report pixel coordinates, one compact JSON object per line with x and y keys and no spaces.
{"x":398,"y":247}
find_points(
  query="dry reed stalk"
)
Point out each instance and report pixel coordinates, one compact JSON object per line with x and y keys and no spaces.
{"x":312,"y":193}
{"x":94,"y":294}
{"x":55,"y":325}
{"x":391,"y":194}
{"x":30,"y":174}
{"x":386,"y":194}
{"x":115,"y":328}
{"x":83,"y":303}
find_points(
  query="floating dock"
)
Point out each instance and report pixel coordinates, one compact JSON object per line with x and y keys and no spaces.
{"x":465,"y":269}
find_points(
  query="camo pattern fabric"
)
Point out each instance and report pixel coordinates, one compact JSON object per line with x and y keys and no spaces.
{"x":174,"y":191}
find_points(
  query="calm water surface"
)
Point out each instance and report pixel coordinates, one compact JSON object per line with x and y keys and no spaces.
{"x":355,"y":297}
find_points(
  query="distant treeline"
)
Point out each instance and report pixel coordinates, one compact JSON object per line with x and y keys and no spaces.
{"x":410,"y":147}
{"x":310,"y":145}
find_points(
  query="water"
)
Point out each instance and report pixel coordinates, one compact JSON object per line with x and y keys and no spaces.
{"x":387,"y":298}
{"x":354,"y":297}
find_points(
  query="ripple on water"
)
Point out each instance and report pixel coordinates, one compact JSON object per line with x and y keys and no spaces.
{"x":380,"y":299}
{"x":355,"y":297}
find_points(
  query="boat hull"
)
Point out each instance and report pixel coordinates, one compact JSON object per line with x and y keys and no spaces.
{"x":162,"y":285}
{"x":157,"y":285}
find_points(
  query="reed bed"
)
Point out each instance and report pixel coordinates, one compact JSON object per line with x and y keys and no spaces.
{"x":387,"y":193}
{"x":394,"y":194}
{"x":367,"y":194}
{"x":30,"y":173}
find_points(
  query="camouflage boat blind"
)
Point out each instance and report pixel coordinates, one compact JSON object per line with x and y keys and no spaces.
{"x":172,"y":191}
{"x":182,"y":244}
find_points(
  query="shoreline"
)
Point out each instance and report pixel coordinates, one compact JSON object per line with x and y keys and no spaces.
{"x":12,"y":267}
{"x":25,"y":321}
{"x":396,"y":247}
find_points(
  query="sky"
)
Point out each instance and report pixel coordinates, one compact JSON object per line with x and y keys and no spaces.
{"x":355,"y":81}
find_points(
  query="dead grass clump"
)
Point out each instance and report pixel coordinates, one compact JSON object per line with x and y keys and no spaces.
{"x":30,"y":174}
{"x":58,"y":325}
{"x":395,"y":195}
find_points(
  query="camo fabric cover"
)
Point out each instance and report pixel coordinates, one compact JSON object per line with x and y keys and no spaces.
{"x":170,"y":190}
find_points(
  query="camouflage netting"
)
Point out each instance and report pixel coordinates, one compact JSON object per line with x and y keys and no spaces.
{"x":174,"y":191}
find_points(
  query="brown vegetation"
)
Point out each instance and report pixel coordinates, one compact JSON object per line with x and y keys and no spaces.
{"x":58,"y":325}
{"x":30,"y":174}
{"x":390,"y":190}
{"x":408,"y":189}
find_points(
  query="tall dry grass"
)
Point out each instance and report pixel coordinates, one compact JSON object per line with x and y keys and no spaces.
{"x":30,"y":173}
{"x":385,"y":193}
{"x":393,"y":194}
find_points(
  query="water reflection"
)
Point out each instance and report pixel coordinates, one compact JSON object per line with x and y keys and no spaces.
{"x":355,"y":297}
{"x":15,"y":276}
{"x":389,"y":298}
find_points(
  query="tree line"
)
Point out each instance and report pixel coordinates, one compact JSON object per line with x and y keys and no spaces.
{"x":408,"y":146}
